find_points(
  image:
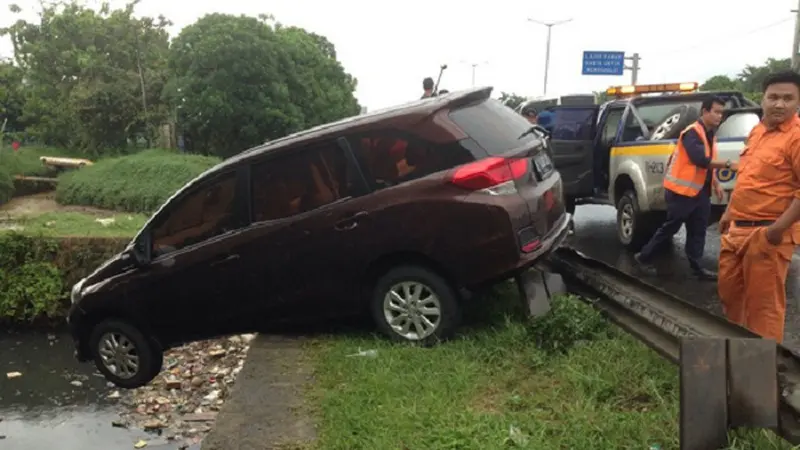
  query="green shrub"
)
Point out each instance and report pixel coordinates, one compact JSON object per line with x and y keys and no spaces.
{"x":36,"y":273}
{"x":6,"y":185}
{"x":135,"y":183}
{"x":569,"y":322}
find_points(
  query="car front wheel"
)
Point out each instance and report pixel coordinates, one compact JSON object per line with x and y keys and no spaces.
{"x":124,"y":355}
{"x":415,"y":304}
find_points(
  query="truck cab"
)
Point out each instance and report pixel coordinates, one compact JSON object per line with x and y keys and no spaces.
{"x":616,"y":153}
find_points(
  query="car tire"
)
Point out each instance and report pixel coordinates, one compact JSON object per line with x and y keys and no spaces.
{"x":634,"y":227}
{"x":675,"y":122}
{"x":431,"y":291}
{"x":114,"y":333}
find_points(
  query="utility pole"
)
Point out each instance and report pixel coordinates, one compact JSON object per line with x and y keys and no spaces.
{"x":549,"y":26}
{"x":474,"y":65}
{"x":796,"y":40}
{"x":634,"y":68}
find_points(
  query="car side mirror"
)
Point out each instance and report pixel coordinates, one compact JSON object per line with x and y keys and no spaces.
{"x":138,"y":257}
{"x":139,"y":252}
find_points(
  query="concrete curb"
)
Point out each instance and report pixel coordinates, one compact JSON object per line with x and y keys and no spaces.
{"x":264,"y":410}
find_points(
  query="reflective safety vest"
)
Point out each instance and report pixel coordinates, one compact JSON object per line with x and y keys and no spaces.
{"x":682,"y":176}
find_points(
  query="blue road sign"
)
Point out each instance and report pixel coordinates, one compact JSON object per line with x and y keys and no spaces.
{"x":603,"y":63}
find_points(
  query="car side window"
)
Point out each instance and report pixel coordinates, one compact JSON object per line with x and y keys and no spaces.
{"x":573,"y":124}
{"x":298,"y":181}
{"x":390,"y":159}
{"x":205,"y":212}
{"x":610,"y":127}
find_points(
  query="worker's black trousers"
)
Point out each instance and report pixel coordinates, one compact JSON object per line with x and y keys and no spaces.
{"x":682,"y":210}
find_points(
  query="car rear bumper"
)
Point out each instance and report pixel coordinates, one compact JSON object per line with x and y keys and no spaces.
{"x":525,"y":261}
{"x":551,"y":242}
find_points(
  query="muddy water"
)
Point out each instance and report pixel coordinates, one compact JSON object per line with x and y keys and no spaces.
{"x":57,"y":403}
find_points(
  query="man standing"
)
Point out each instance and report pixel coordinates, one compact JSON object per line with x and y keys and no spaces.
{"x":427,"y":87}
{"x":687,"y":183}
{"x":760,"y":227}
{"x":530,"y":113}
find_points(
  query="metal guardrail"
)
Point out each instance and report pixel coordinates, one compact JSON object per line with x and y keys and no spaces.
{"x":679,"y":331}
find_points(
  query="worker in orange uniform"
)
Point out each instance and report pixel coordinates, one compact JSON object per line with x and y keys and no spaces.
{"x":688,"y":183}
{"x":760,"y":226}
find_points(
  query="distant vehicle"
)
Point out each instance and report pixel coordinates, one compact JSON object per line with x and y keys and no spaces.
{"x":616,"y":153}
{"x":542,"y":103}
{"x":394,"y":213}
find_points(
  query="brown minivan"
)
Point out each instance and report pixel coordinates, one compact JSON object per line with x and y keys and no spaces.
{"x":393,"y":212}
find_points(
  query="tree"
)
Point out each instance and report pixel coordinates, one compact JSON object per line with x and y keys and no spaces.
{"x":749,"y":81}
{"x":94,"y":79}
{"x":12,"y":97}
{"x":239,"y":81}
{"x":511,"y":99}
{"x":721,"y":83}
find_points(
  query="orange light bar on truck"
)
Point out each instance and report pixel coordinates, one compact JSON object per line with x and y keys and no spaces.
{"x":651,"y":88}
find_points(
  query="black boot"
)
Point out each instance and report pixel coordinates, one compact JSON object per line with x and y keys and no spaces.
{"x":644,"y":266}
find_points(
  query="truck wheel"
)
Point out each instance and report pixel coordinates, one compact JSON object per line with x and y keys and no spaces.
{"x":674,"y":122}
{"x":634,"y":227}
{"x":414,"y":304}
{"x":124,"y":355}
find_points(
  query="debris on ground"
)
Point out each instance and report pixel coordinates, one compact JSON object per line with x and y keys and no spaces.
{"x":11,"y":375}
{"x":182,"y":402}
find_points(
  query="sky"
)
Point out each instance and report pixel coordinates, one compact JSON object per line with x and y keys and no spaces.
{"x":391,"y":46}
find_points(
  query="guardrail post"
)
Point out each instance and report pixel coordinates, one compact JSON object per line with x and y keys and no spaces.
{"x":725,"y":383}
{"x":704,"y":396}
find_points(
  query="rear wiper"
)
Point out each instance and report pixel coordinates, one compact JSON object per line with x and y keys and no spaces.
{"x":533,"y":129}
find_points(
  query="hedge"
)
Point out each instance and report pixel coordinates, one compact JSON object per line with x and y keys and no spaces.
{"x":135,"y":183}
{"x":6,"y":185}
{"x":37,"y":273}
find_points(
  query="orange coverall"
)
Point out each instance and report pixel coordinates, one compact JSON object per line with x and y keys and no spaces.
{"x":752,"y":272}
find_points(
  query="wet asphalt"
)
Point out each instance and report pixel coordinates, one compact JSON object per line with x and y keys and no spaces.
{"x":596,"y":236}
{"x":42,"y":409}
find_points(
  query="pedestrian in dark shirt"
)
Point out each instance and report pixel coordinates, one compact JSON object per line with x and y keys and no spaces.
{"x":427,"y":87}
{"x":688,"y":182}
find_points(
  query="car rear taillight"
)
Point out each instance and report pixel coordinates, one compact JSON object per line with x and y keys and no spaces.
{"x":490,"y":173}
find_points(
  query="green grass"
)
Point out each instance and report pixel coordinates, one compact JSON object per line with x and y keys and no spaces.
{"x":75,"y":224}
{"x":494,"y":388}
{"x":26,"y":160}
{"x":136,"y":183}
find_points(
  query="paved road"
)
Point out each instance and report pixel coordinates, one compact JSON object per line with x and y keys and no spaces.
{"x":42,"y":409}
{"x":595,"y":235}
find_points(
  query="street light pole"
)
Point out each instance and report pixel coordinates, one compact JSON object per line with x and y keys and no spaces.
{"x":549,"y":26}
{"x":474,"y":65}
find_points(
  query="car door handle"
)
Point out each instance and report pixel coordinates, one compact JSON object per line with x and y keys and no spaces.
{"x":350,"y":222}
{"x":224,"y":260}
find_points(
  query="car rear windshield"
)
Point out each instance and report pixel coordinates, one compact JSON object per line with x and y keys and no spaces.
{"x":494,"y":126}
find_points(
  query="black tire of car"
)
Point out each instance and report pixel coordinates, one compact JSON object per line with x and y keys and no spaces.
{"x":686,"y":115}
{"x":644,"y":224}
{"x":151,"y":358}
{"x":448,"y":299}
